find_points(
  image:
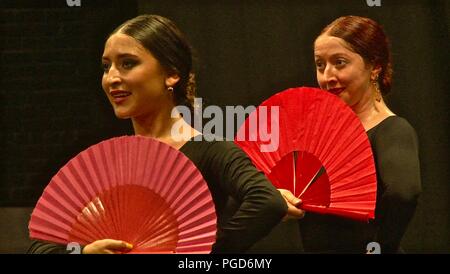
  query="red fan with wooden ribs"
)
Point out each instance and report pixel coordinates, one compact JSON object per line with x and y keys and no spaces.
{"x":129,"y":188}
{"x":321,"y":152}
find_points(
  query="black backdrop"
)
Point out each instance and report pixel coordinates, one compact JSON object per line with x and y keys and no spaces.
{"x":53,"y":107}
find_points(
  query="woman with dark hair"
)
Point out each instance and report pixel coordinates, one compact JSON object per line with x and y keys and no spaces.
{"x":353,"y":61}
{"x":147,"y":65}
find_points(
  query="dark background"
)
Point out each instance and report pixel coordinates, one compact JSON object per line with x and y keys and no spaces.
{"x":52,"y":105}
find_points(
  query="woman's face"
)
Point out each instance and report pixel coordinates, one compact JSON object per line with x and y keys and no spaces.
{"x":133,"y":80}
{"x":341,"y":71}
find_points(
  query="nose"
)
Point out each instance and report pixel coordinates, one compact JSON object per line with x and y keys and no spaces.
{"x":113,"y":76}
{"x":329,"y":77}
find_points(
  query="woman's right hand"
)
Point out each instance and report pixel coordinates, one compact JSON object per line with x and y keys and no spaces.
{"x":107,"y":246}
{"x":292,"y":202}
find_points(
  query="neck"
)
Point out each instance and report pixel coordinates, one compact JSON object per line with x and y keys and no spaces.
{"x":370,"y":111}
{"x":159,"y":126}
{"x":155,"y":126}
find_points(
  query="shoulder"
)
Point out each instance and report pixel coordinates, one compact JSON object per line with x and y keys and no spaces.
{"x":395,"y":121}
{"x":210,"y":144}
{"x":212,"y":148}
{"x":218,"y":160}
{"x":395,"y":126}
{"x":397,"y":133}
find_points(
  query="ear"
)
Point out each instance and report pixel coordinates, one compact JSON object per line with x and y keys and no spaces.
{"x":172,"y":80}
{"x":376,"y":70}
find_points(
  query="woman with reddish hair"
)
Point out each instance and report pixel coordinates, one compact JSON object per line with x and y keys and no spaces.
{"x":353,"y":61}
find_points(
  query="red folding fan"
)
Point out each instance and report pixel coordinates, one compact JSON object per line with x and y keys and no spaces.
{"x":129,"y":188}
{"x":321,"y":152}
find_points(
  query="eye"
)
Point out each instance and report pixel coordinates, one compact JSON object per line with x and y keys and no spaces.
{"x":128,"y":63}
{"x":319,"y":65}
{"x":340,"y":63}
{"x":105,"y":67}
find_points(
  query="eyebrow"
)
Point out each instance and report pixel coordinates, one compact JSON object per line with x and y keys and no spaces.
{"x":334,"y":55}
{"x":121,"y":56}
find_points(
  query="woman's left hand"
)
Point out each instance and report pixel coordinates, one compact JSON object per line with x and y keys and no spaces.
{"x":292,"y":202}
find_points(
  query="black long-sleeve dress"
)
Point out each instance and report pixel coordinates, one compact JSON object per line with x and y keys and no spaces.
{"x":247,"y":205}
{"x":395,"y":147}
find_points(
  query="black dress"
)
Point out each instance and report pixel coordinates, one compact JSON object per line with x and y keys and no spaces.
{"x":395,"y":148}
{"x":247,"y":205}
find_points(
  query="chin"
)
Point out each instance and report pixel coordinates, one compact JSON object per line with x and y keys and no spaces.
{"x":346,"y":100}
{"x":121,"y":114}
{"x":345,"y":97}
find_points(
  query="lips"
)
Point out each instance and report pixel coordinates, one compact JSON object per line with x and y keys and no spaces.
{"x":336,"y":91}
{"x":119,"y":96}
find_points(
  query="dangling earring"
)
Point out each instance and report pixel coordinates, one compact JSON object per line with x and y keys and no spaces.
{"x":377,"y":89}
{"x":170,"y":89}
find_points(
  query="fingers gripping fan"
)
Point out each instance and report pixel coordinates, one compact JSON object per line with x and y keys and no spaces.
{"x":129,"y":188}
{"x":321,"y":152}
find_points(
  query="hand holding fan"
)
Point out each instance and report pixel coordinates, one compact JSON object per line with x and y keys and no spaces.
{"x":129,"y":188}
{"x":323,"y":156}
